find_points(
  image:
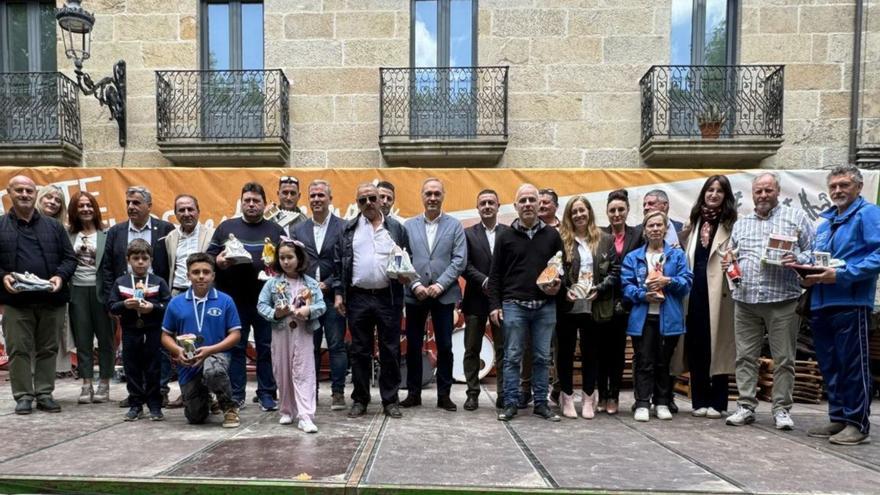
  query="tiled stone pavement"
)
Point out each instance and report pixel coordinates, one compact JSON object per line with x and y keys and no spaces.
{"x":429,"y":449}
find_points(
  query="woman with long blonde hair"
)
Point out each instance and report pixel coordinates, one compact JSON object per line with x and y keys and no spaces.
{"x":587,"y":258}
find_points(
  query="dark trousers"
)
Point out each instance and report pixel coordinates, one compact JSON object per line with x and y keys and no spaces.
{"x":441,"y":319}
{"x":841,"y":338}
{"x":653,"y":352}
{"x":213,"y":379}
{"x":88,"y":320}
{"x":567,"y":337}
{"x":611,"y":356}
{"x":474,"y":330}
{"x":706,"y":390}
{"x":332,"y":326}
{"x":238,"y":360}
{"x":366,"y":311}
{"x":140,"y":358}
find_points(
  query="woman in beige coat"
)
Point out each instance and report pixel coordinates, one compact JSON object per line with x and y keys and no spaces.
{"x":708,"y":345}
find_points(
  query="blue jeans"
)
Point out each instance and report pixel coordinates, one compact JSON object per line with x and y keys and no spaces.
{"x":517,"y":324}
{"x":238,"y":360}
{"x":333,"y":326}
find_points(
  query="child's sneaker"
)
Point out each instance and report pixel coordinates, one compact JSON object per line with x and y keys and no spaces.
{"x":156,"y":415}
{"x":231,"y":419}
{"x":285,"y":420}
{"x":307,"y":426}
{"x":134,"y":414}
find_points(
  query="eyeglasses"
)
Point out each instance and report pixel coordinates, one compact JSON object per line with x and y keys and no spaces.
{"x":546,"y":191}
{"x":288,"y":179}
{"x":363,"y":200}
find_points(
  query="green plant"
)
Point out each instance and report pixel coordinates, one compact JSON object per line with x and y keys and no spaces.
{"x":711,"y":114}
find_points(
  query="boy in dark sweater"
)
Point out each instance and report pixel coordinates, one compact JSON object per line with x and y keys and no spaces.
{"x":139,"y":299}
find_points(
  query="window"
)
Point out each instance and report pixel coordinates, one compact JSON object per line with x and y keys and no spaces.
{"x":443,"y":82}
{"x":704,"y":32}
{"x":232,"y":44}
{"x":27,"y":36}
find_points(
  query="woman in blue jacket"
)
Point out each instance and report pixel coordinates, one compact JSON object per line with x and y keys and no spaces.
{"x":655,"y":279}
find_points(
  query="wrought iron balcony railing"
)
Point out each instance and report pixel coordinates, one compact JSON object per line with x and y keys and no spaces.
{"x":39,"y":108}
{"x":712,"y":101}
{"x":222,"y":105}
{"x":443,"y":102}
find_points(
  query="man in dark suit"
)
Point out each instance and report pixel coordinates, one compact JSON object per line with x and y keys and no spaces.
{"x":319,"y":235}
{"x":140,"y":225}
{"x":475,"y":305}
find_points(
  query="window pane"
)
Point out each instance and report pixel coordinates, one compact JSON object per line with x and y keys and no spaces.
{"x":48,"y":61}
{"x":17,"y":38}
{"x":461,"y":39}
{"x":252,"y":36}
{"x":680,"y":37}
{"x":715,"y":50}
{"x":425,"y":33}
{"x":218,"y":37}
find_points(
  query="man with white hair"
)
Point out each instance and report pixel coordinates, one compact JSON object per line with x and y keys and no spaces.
{"x":519,"y":305}
{"x":766,"y":300}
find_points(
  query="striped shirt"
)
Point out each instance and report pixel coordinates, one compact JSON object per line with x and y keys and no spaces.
{"x":763,"y":282}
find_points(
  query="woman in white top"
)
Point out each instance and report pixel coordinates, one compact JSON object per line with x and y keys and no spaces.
{"x":88,"y":317}
{"x":588,"y":258}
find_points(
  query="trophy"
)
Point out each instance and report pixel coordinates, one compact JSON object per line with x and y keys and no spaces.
{"x":268,"y":258}
{"x":189,"y":342}
{"x":400,"y":265}
{"x":584,"y":285}
{"x":235,"y":252}
{"x":733,"y":272}
{"x":28,"y":282}
{"x":655,"y":272}
{"x":281,"y":300}
{"x":552,"y":272}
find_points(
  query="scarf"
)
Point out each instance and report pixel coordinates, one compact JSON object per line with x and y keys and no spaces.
{"x":710,"y":221}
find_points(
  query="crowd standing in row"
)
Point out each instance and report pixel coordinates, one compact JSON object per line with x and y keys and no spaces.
{"x":669,"y":286}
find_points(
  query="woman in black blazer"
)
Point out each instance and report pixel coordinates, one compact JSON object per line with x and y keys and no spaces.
{"x":612,"y":342}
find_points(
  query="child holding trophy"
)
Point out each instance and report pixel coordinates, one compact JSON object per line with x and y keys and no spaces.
{"x":292,"y":302}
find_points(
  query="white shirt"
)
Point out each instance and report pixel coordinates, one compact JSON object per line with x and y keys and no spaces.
{"x":320,"y":230}
{"x":490,"y":236}
{"x":371,"y":249}
{"x":431,"y":230}
{"x":145,"y":232}
{"x":187,"y":244}
{"x":671,"y":235}
{"x":84,"y":246}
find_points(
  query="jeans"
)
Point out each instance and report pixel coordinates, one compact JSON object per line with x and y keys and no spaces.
{"x":237,"y":365}
{"x":442,"y":321}
{"x":520,"y":323}
{"x":333,"y":327}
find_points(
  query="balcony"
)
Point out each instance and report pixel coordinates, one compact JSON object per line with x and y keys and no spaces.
{"x":223,"y":118}
{"x":445,"y":116}
{"x":711,"y":115}
{"x":39,"y":119}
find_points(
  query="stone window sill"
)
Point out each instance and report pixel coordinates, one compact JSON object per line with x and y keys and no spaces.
{"x":698,"y":152}
{"x":478,"y":152}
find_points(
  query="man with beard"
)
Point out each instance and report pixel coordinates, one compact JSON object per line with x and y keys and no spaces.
{"x":240,"y":281}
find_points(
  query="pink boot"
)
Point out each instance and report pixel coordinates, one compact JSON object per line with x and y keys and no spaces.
{"x":566,"y":402}
{"x":588,"y":411}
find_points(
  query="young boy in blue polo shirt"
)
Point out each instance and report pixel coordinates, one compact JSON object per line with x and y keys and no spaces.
{"x":211,"y":318}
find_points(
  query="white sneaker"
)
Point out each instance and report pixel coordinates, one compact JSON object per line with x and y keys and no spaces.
{"x":285,"y":420}
{"x":307,"y":426}
{"x":643,"y":414}
{"x":711,"y":413}
{"x":783,"y":420}
{"x":663,"y":412}
{"x":741,"y":417}
{"x":700,"y":413}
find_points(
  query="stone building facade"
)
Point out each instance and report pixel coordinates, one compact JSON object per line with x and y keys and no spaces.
{"x":573,"y":95}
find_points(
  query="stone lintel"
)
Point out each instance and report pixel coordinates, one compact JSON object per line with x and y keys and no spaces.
{"x":478,"y":152}
{"x":697,"y":152}
{"x":226,"y":153}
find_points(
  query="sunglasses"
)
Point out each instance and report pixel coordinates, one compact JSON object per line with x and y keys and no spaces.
{"x":288,"y":179}
{"x":365,"y":199}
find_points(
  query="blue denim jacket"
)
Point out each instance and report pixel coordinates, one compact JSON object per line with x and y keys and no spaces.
{"x":632,"y":278}
{"x":266,"y":303}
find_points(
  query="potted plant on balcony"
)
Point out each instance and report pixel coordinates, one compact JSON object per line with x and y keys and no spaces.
{"x":710,"y":121}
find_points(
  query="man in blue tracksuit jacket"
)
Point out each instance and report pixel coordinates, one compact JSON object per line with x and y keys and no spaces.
{"x":841,"y":304}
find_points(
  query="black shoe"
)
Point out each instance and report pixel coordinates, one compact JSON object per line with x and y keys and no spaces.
{"x":392,"y":410}
{"x":411,"y":401}
{"x":23,"y":406}
{"x":357,"y":409}
{"x":472,"y":403}
{"x":499,"y":402}
{"x":156,"y":415}
{"x":524,"y":400}
{"x":444,"y":402}
{"x":46,"y":403}
{"x":124,"y":402}
{"x":545,"y":412}
{"x":507,"y":413}
{"x":133,"y":414}
{"x":672,"y":407}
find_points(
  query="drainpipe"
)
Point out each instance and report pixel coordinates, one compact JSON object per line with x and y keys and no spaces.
{"x":856,"y":80}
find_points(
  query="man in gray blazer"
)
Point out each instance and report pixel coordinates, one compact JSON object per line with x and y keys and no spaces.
{"x":439,"y":255}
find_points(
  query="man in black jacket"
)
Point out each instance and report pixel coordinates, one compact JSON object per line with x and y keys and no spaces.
{"x":370,"y":300}
{"x":520,"y":305}
{"x":475,"y":304}
{"x":32,"y":243}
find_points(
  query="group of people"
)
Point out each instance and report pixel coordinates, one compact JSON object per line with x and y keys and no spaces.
{"x":694,"y":296}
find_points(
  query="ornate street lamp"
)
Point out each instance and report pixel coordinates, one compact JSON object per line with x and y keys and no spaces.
{"x":76,"y":25}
